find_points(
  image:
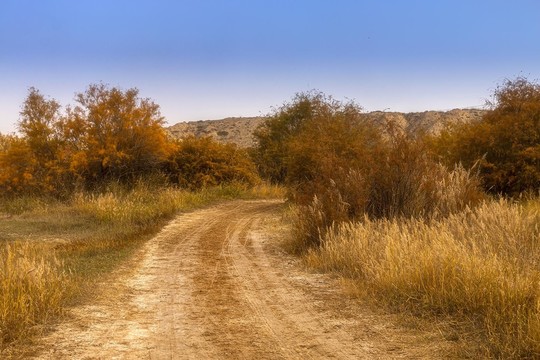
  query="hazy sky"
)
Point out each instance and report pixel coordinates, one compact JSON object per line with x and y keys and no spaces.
{"x":205,"y":59}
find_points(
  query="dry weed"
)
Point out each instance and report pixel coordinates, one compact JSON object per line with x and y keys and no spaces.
{"x":480,"y":265}
{"x":33,"y":287}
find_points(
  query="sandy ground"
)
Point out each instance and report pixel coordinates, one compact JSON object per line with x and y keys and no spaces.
{"x":214,"y":284}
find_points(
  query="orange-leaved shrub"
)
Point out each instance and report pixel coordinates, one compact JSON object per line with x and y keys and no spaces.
{"x":200,"y":162}
{"x":18,"y":166}
{"x":33,"y":163}
{"x":114,"y":135}
{"x":110,"y":135}
{"x":505,"y":144}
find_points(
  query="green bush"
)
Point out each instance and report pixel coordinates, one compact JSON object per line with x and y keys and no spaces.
{"x":274,"y":135}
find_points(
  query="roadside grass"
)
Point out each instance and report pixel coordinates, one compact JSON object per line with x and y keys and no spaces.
{"x":33,"y":289}
{"x":52,"y":252}
{"x":479,"y":266}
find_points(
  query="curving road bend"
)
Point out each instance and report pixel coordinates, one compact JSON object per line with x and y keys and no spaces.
{"x":213,"y":284}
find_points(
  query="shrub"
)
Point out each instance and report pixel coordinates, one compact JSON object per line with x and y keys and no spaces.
{"x":410,"y":183}
{"x":279,"y":128}
{"x":330,"y":168}
{"x":111,"y":135}
{"x":341,"y":166}
{"x":201,"y":162}
{"x":114,"y":135}
{"x":334,"y":144}
{"x":505,"y":144}
{"x":18,"y":166}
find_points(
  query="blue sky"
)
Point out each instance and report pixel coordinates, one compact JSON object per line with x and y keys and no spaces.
{"x":206,"y":59}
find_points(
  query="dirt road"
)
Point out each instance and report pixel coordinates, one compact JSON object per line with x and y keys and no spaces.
{"x":213,"y":284}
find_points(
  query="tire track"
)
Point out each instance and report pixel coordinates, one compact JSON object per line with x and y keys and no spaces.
{"x":211,"y":285}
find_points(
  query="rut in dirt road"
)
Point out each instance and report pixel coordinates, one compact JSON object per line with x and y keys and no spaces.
{"x":213,"y":284}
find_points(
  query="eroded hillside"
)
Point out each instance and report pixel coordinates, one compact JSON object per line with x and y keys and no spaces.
{"x":240,"y":130}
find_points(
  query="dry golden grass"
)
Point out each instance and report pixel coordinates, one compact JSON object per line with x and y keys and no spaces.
{"x":33,"y":287}
{"x":480,"y":265}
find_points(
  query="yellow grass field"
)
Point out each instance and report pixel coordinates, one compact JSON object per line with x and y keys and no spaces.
{"x":480,"y":265}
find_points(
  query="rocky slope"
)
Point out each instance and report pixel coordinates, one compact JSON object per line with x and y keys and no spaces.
{"x":229,"y":130}
{"x":240,"y":130}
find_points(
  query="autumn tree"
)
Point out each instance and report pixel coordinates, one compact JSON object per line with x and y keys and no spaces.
{"x":110,"y":134}
{"x":31,"y":163}
{"x":114,"y":134}
{"x":38,"y":124}
{"x":17,"y":167}
{"x":279,"y":128}
{"x":505,"y":144}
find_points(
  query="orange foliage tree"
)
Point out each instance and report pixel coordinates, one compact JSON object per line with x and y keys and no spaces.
{"x":31,"y":163}
{"x":505,"y":144}
{"x":17,"y":167}
{"x":114,"y":134}
{"x":110,"y":134}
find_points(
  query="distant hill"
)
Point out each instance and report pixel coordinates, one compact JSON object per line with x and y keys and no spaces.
{"x":240,"y":130}
{"x":428,"y":121}
{"x":229,"y":130}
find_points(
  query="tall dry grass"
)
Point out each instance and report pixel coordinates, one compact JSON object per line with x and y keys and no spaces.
{"x":33,"y":287}
{"x":480,"y":265}
{"x":417,"y":188}
{"x":145,"y":204}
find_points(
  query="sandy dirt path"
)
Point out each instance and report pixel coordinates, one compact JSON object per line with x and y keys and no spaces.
{"x":213,"y":284}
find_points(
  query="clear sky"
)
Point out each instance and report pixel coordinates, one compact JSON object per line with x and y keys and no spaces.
{"x":207,"y":59}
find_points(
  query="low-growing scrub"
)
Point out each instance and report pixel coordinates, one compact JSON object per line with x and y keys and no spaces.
{"x":196,"y":163}
{"x":404,"y":184}
{"x":479,"y":265}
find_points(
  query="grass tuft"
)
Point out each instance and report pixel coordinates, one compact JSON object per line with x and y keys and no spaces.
{"x":33,"y":289}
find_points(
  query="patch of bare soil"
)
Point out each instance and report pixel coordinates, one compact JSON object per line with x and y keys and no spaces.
{"x":213,"y":284}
